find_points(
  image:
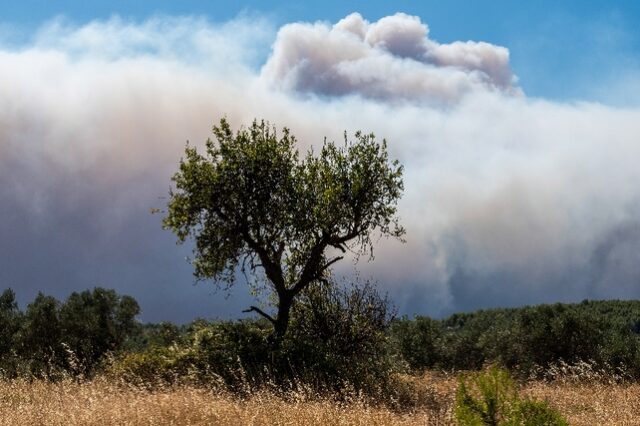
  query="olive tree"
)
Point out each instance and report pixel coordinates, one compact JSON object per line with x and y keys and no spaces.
{"x":252,"y":204}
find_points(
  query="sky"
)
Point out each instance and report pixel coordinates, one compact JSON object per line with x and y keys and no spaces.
{"x":516,"y":124}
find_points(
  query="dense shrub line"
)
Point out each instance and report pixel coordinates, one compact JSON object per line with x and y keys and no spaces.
{"x":526,"y":340}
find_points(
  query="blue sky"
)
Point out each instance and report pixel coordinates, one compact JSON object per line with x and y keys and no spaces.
{"x":520,"y":147}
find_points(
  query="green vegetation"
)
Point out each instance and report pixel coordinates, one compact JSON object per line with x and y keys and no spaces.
{"x":526,"y":340}
{"x":337,"y":334}
{"x":342,"y":340}
{"x":337,"y":342}
{"x":347,"y":335}
{"x":490,"y":398}
{"x":252,"y":205}
{"x":51,"y":339}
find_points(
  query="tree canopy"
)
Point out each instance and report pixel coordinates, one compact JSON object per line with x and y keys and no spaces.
{"x":251,"y":203}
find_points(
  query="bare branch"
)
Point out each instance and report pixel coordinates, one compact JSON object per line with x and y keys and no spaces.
{"x":331,"y":262}
{"x":340,"y":247}
{"x":260,"y":312}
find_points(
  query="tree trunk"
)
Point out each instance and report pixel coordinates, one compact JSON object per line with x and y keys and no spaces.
{"x":281,"y":322}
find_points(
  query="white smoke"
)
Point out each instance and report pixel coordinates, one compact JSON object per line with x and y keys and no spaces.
{"x":391,"y":59}
{"x":508,"y":200}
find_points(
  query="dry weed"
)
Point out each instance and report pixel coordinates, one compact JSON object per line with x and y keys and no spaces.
{"x":104,"y":402}
{"x":591,"y":403}
{"x":100,"y":402}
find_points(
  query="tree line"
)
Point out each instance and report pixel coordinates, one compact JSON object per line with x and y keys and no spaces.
{"x":528,"y":340}
{"x":337,"y":333}
{"x":52,"y":338}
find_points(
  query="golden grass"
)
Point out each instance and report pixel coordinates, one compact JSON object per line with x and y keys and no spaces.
{"x":101,"y":402}
{"x":588,"y":404}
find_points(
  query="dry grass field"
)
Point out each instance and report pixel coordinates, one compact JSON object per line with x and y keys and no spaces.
{"x":591,"y":403}
{"x":100,"y":402}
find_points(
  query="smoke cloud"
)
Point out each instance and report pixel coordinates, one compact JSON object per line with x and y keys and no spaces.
{"x":509,"y":200}
{"x":391,"y":59}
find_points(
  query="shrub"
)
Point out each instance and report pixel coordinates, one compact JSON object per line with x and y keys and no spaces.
{"x":232,"y":354}
{"x":491,"y":398}
{"x":337,"y":341}
{"x":525,"y":340}
{"x":10,"y":323}
{"x":488,"y":398}
{"x":537,"y":413}
{"x":40,"y":339}
{"x":338,"y":335}
{"x":417,"y":341}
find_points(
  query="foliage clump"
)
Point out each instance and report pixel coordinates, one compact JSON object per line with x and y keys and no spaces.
{"x":530,"y":341}
{"x":337,"y":343}
{"x":51,"y":339}
{"x":490,"y":398}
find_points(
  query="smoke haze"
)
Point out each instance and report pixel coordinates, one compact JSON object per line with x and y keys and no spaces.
{"x":509,"y":200}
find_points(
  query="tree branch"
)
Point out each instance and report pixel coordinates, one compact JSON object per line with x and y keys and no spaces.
{"x":310,"y":269}
{"x":272,"y":269}
{"x":331,"y":262}
{"x":261,"y":312}
{"x":340,"y":247}
{"x":338,"y":240}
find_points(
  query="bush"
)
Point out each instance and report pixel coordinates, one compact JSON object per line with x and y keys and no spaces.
{"x":491,"y":398}
{"x":10,"y":323}
{"x":538,"y":413}
{"x":94,"y":323}
{"x":488,"y":398}
{"x":417,"y":341}
{"x":338,"y":335}
{"x":39,"y":340}
{"x":231,"y":354}
{"x":337,"y":340}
